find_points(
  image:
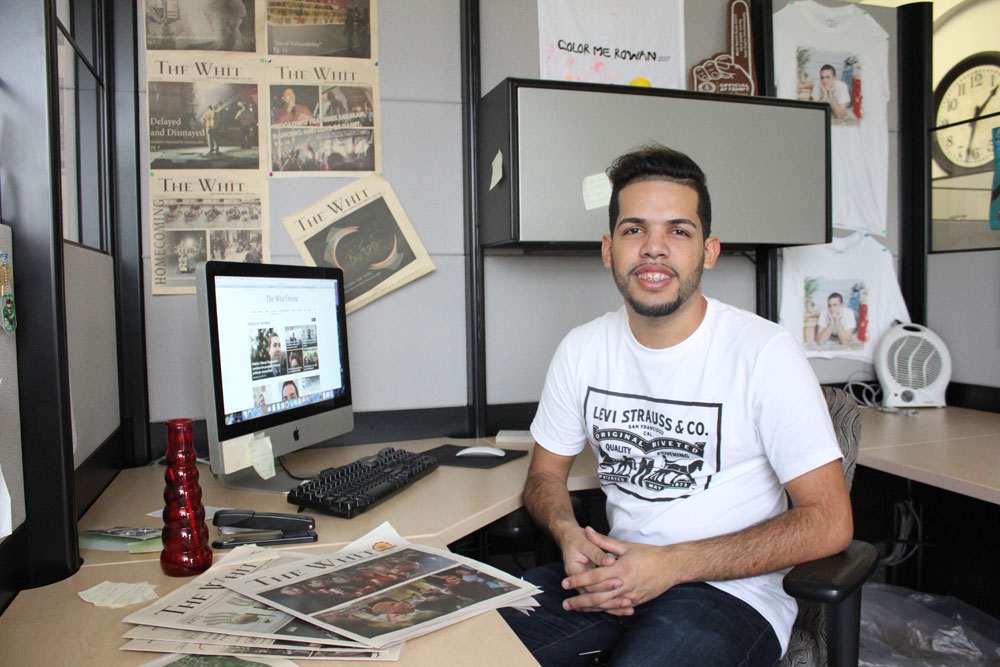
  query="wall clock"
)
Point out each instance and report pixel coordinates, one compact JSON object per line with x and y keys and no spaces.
{"x":963,"y":103}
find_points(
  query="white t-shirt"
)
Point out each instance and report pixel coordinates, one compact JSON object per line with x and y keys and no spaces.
{"x":861,"y":271}
{"x":808,"y":36}
{"x":695,"y":440}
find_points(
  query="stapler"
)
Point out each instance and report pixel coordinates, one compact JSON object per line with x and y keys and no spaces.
{"x":238,"y":527}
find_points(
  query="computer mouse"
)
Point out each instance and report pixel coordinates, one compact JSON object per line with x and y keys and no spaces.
{"x":481,"y":450}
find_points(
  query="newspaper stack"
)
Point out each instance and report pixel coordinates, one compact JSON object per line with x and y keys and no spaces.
{"x":359,"y":603}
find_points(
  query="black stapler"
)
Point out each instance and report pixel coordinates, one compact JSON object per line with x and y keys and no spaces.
{"x":238,"y":527}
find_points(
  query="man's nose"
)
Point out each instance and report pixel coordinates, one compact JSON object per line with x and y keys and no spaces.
{"x":655,"y":244}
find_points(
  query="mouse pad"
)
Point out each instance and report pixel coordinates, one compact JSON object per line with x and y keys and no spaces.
{"x":446,"y":456}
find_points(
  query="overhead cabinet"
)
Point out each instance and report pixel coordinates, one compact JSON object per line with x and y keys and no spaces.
{"x":543,"y":146}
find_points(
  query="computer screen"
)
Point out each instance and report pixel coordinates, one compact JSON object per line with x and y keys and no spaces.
{"x":275,"y":362}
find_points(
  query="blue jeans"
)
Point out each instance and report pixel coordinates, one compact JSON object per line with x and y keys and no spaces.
{"x":690,"y":624}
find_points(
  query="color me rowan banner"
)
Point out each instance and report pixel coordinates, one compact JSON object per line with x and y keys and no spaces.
{"x":639,"y":42}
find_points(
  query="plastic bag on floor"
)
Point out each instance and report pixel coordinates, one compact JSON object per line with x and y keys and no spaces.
{"x":905,"y":628}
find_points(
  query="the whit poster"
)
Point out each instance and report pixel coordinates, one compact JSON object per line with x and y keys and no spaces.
{"x":200,"y":215}
{"x":363,"y":230}
{"x":323,"y":118}
{"x":240,"y":91}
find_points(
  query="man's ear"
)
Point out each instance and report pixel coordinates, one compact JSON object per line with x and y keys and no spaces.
{"x":606,"y":250}
{"x":712,"y":250}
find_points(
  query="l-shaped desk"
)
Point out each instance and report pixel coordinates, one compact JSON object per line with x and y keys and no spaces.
{"x":952,"y":448}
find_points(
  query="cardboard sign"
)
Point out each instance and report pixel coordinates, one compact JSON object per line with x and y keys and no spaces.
{"x":730,"y":72}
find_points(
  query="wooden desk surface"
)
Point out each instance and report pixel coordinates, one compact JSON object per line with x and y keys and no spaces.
{"x":446,"y":505}
{"x":956,"y":449}
{"x":52,"y":625}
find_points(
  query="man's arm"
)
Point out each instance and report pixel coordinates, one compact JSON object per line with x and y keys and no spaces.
{"x":546,"y":498}
{"x":818,"y":524}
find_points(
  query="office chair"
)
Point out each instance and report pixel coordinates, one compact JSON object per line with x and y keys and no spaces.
{"x":826,"y":631}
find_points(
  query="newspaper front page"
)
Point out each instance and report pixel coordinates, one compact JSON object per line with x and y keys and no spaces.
{"x":200,"y":215}
{"x":363,"y":230}
{"x":205,"y":605}
{"x":386,"y":592}
{"x":324,"y":117}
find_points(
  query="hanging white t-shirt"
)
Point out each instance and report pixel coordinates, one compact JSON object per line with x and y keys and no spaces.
{"x":695,"y":440}
{"x":807,"y":37}
{"x":612,"y":42}
{"x":860,"y":271}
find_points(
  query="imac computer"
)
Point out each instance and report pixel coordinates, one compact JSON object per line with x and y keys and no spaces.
{"x":274,"y":362}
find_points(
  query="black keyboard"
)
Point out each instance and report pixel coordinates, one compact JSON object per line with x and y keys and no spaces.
{"x":351,"y":489}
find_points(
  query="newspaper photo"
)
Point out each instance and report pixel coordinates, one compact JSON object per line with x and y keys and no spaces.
{"x":197,"y":25}
{"x":200,"y":215}
{"x":363,"y":230}
{"x":324,"y":117}
{"x":203,"y":111}
{"x":205,"y":605}
{"x":386,"y":592}
{"x":342,"y":29}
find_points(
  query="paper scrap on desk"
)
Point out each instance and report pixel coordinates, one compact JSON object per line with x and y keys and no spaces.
{"x":596,"y":191}
{"x":115,"y":594}
{"x":496,"y":174}
{"x":262,"y":456}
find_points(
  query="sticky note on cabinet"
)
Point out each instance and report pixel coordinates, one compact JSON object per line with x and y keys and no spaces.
{"x":496,"y":170}
{"x":596,"y":191}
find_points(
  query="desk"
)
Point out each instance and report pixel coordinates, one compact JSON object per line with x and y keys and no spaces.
{"x":53,"y":626}
{"x":951,"y":448}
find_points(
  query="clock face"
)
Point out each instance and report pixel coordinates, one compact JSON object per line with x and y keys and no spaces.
{"x":966,"y":96}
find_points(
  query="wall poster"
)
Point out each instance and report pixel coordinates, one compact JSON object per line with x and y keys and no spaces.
{"x":239,"y":91}
{"x":363,"y":230}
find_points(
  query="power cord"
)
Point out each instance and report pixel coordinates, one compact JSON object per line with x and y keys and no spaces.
{"x":904,"y":547}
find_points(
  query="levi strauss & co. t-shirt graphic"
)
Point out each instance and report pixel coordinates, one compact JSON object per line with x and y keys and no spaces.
{"x":652,"y":448}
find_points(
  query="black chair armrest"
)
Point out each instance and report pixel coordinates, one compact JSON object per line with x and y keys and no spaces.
{"x":834,"y":578}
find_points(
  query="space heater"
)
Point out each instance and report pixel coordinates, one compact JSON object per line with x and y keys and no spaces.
{"x":913,"y":366}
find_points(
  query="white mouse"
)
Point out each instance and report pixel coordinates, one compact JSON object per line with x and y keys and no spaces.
{"x":481,"y":450}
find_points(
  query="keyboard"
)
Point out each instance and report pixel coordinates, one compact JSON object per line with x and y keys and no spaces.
{"x":351,"y":489}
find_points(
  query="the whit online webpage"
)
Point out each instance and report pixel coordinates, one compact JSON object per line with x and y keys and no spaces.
{"x":279,"y":346}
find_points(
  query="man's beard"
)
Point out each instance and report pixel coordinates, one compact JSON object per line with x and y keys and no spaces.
{"x":686,"y":288}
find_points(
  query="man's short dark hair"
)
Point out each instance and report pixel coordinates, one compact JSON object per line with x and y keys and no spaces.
{"x":829,"y":67}
{"x":654,"y":162}
{"x":835,"y":295}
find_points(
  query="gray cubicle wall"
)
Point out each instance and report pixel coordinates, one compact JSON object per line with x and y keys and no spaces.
{"x":91,"y":354}
{"x":408,"y":349}
{"x":10,"y":418}
{"x":532,"y":301}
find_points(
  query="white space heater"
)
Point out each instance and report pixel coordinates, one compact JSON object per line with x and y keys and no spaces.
{"x":913,"y":366}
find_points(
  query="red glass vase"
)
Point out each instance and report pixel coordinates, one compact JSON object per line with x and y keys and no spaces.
{"x":186,"y":549}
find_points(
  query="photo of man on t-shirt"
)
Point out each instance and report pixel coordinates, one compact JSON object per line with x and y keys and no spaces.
{"x":836,"y":323}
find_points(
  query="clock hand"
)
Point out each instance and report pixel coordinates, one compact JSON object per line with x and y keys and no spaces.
{"x":981,"y":107}
{"x":975,"y":116}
